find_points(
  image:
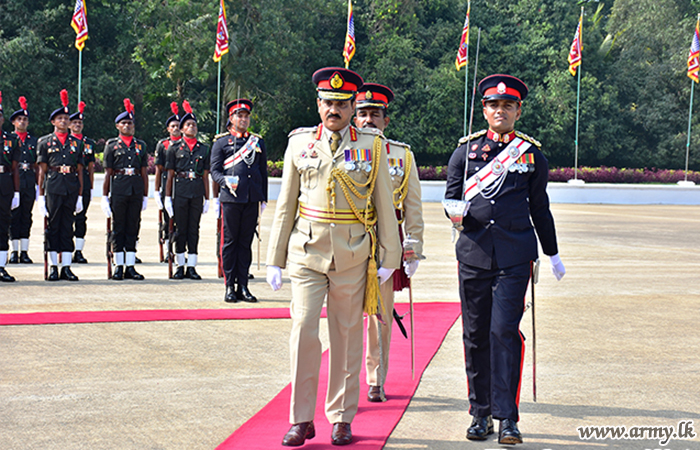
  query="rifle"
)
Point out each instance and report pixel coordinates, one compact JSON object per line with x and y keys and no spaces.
{"x":161,"y":241}
{"x":170,"y":247}
{"x":108,"y":249}
{"x":46,"y":250}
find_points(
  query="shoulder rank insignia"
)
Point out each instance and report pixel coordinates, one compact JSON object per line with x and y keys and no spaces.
{"x":399,"y":144}
{"x":465,"y":139}
{"x":302,"y":130}
{"x":529,"y":139}
{"x":220,"y":135}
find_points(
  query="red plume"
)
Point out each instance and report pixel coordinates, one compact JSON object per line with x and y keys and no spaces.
{"x":64,"y":97}
{"x":81,"y":107}
{"x":186,"y":106}
{"x":129,"y":107}
{"x":174,"y":108}
{"x":23,"y":103}
{"x":0,"y":96}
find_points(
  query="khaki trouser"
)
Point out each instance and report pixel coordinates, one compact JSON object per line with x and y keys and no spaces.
{"x":345,"y":294}
{"x":374,"y":378}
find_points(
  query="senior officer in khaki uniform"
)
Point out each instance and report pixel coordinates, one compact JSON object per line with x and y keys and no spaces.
{"x":334,"y":174}
{"x":372,"y":103}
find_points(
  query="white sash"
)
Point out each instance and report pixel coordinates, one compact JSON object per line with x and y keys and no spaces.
{"x":250,"y":146}
{"x":495,"y":170}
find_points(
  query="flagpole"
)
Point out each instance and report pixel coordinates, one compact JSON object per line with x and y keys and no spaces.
{"x":690,"y":116}
{"x":80,"y":72}
{"x":218,"y":100}
{"x":578,"y":103}
{"x":466,"y":78}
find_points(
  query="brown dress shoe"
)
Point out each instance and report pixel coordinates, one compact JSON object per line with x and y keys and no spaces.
{"x":374,"y":394}
{"x":341,"y":434}
{"x":299,"y":433}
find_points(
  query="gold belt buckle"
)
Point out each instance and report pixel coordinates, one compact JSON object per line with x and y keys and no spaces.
{"x":65,"y":169}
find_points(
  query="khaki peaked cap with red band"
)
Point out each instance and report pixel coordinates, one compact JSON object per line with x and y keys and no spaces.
{"x":499,"y":86}
{"x":336,"y":83}
{"x":374,"y":95}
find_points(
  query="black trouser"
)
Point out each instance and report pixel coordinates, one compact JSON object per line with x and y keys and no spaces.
{"x":239,"y":222}
{"x":188,"y":212}
{"x":22,"y":215}
{"x":126,"y":221}
{"x":492,"y":306}
{"x":61,"y":210}
{"x":81,"y":217}
{"x":5,"y":218}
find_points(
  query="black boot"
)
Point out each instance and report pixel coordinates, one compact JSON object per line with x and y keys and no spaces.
{"x":53,"y":274}
{"x":24,"y":258}
{"x":137,"y":260}
{"x":118,"y":273}
{"x":179,"y":273}
{"x":132,"y":274}
{"x":192,"y":274}
{"x":230,"y":296}
{"x":14,"y":258}
{"x":244,"y":294}
{"x":66,"y":274}
{"x":79,"y":258}
{"x":6,"y":277}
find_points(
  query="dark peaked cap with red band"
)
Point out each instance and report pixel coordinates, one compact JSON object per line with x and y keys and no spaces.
{"x":238,"y":104}
{"x":506,"y":87}
{"x":374,"y":95}
{"x":336,"y":83}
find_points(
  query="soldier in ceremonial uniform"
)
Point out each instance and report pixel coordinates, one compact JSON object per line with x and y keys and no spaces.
{"x":496,"y":250}
{"x":28,"y":188}
{"x":125,"y":192}
{"x":172,"y":125}
{"x":187,"y":192}
{"x":239,"y":167}
{"x":372,"y":103}
{"x":9,"y":192}
{"x":76,"y":127}
{"x":60,"y":158}
{"x":334,"y":213}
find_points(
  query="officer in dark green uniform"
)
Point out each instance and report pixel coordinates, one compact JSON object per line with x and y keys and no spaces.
{"x":60,"y":158}
{"x":172,"y":125}
{"x":28,"y":190}
{"x":9,"y":192}
{"x":125,"y":192}
{"x":187,"y":192}
{"x":76,"y":127}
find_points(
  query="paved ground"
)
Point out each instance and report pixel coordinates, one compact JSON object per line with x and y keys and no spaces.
{"x":617,"y":343}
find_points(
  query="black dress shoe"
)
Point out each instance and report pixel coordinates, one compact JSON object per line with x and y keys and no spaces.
{"x":192,"y":274}
{"x":53,"y":274}
{"x":480,"y":428}
{"x":118,"y":273}
{"x":374,"y":394}
{"x":250,"y":276}
{"x":242,"y":293}
{"x":230,"y":296}
{"x":6,"y":277}
{"x":79,"y":258}
{"x":508,"y":432}
{"x":341,"y":435}
{"x":179,"y":273}
{"x":298,"y":433}
{"x":14,"y":258}
{"x":66,"y":274}
{"x":24,"y":258}
{"x":131,"y":274}
{"x":137,"y":260}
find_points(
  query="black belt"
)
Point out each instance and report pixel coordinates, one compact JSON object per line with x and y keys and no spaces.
{"x":189,"y":175}
{"x":63,"y":169}
{"x":129,"y":172}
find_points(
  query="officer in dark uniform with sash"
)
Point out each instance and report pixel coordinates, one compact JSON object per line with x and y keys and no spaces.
{"x":172,"y":125}
{"x":60,"y":158}
{"x":496,"y":249}
{"x":9,"y":192}
{"x":28,"y":190}
{"x":76,"y":127}
{"x":239,"y":167}
{"x":187,"y":192}
{"x":125,"y":192}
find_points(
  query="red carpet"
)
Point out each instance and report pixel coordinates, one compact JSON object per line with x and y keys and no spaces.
{"x":374,"y":421}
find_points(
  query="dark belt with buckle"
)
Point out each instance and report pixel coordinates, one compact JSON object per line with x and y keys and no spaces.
{"x":191,"y":175}
{"x":129,"y":171}
{"x":63,"y":169}
{"x":25,"y":166}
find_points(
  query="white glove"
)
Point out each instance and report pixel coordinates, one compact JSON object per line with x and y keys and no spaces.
{"x":79,"y":205}
{"x":557,"y":266}
{"x":42,"y":206}
{"x":144,"y":205}
{"x":410,"y":267}
{"x":159,"y":201}
{"x":205,"y":207}
{"x":263,"y":205}
{"x":15,"y":201}
{"x":36,"y":197}
{"x":274,"y":277}
{"x":104,"y":203}
{"x":169,"y":206}
{"x":384,"y":274}
{"x":217,"y":206}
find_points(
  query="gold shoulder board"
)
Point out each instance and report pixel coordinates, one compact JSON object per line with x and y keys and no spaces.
{"x":531,"y":140}
{"x":465,"y":139}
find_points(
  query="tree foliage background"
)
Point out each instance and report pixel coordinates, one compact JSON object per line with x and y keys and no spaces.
{"x":635,"y":95}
